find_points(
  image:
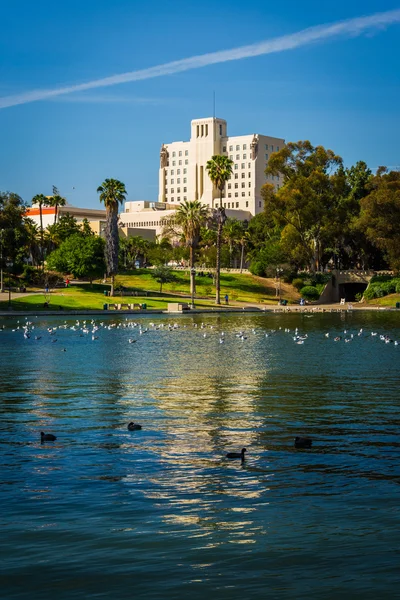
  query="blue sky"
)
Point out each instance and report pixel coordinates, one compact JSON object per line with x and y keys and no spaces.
{"x":341,"y":92}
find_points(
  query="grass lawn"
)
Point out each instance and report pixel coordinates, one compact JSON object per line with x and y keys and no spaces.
{"x":241,"y":288}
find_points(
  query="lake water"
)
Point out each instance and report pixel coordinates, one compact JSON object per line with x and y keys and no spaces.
{"x":161,"y":513}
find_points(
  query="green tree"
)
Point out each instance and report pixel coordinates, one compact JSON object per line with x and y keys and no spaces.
{"x":12,"y":230}
{"x":232,"y":234}
{"x":67,"y":225}
{"x":32,"y":241}
{"x":83,"y":256}
{"x":219,"y":170}
{"x":314,"y":182}
{"x":112,"y":193}
{"x":163,"y":274}
{"x":380,"y":214}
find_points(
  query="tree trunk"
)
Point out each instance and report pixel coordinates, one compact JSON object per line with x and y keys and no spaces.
{"x":55,"y":214}
{"x":242,"y":258}
{"x":41,"y":236}
{"x":218,"y":260}
{"x":192,"y":276}
{"x":112,"y":285}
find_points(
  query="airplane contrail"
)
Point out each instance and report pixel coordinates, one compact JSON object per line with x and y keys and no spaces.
{"x":350,"y":28}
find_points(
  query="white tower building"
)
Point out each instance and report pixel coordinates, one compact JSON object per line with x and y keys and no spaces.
{"x":183,"y":174}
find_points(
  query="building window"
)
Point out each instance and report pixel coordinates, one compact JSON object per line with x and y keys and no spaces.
{"x":172,"y":181}
{"x":243,"y":175}
{"x":186,"y":162}
{"x":172,"y":190}
{"x":184,"y":180}
{"x":247,"y":203}
{"x":172,"y":171}
{"x":229,"y":186}
{"x":173,"y":163}
{"x":249,"y":183}
{"x":237,"y":147}
{"x":178,"y":199}
{"x":237,"y":204}
{"x":178,"y":171}
{"x":206,"y":129}
{"x":185,"y":197}
{"x":231,"y":156}
{"x":243,"y":184}
{"x":249,"y":165}
{"x":249,"y":174}
{"x":230,"y":148}
{"x":229,"y":204}
{"x":172,"y":199}
{"x":237,"y":156}
{"x":277,"y":148}
{"x":223,"y":148}
{"x":272,"y":148}
{"x":186,"y":152}
{"x":198,"y":131}
{"x":184,"y":190}
{"x":236,"y":194}
{"x":259,"y":204}
{"x":220,"y":129}
{"x":244,"y":146}
{"x":236,"y":186}
{"x":236,"y":175}
{"x":184,"y":171}
{"x":180,"y":152}
{"x":229,"y":194}
{"x":266,"y":157}
{"x":266,"y":146}
{"x":236,"y":167}
{"x":243,"y":166}
{"x":173,"y":154}
{"x":224,"y":204}
{"x":178,"y":180}
{"x":178,"y":190}
{"x":244,"y":156}
{"x":180,"y":162}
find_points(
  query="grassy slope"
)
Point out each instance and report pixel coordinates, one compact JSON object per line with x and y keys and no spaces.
{"x":389,"y":300}
{"x":240,"y":288}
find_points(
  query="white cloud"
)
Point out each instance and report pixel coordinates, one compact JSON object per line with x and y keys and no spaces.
{"x":348,"y":28}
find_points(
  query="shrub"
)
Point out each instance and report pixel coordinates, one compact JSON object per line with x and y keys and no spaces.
{"x":298,"y":283}
{"x":257,"y":268}
{"x":309,"y":292}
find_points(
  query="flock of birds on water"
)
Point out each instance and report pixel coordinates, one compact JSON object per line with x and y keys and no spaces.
{"x":92,"y":330}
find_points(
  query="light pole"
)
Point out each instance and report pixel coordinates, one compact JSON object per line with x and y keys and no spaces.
{"x":279,"y":272}
{"x":192,"y":277}
{"x":9,"y":265}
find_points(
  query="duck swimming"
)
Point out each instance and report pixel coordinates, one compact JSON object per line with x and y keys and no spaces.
{"x":134,"y":426}
{"x":302,"y":442}
{"x":47,"y":437}
{"x":237,"y":454}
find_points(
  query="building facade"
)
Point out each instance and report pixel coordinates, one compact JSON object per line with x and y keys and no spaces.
{"x":183,"y":175}
{"x":142,"y":215}
{"x":48,"y":212}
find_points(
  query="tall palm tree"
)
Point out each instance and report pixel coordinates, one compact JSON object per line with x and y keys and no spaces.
{"x":219,"y":171}
{"x":56,"y":201}
{"x":189,"y":218}
{"x":112,"y":193}
{"x":41,"y":200}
